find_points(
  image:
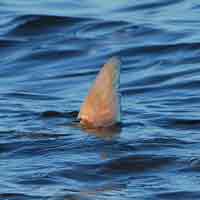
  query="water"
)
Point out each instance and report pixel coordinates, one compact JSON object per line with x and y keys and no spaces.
{"x":51,"y":52}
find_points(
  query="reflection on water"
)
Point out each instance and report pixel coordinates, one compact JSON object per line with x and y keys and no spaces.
{"x":105,"y":133}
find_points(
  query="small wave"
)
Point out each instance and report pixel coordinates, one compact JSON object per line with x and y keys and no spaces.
{"x":163,"y":81}
{"x":23,"y":149}
{"x":5,"y":43}
{"x":130,"y":164}
{"x":160,"y":49}
{"x":75,"y":74}
{"x":47,"y":55}
{"x":149,"y":6}
{"x":20,"y":196}
{"x":174,"y":195}
{"x":101,"y":28}
{"x":32,"y":96}
{"x":50,"y":114}
{"x":134,"y":164}
{"x":38,"y":24}
{"x":165,"y":142}
{"x":180,"y":123}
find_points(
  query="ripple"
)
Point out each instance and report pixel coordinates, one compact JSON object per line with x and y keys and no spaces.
{"x":5,"y":43}
{"x":32,"y":96}
{"x":131,"y":164}
{"x":19,"y":196}
{"x":161,"y":49}
{"x":52,"y":55}
{"x":50,"y":114}
{"x":150,"y":6}
{"x":178,"y":123}
{"x":179,"y":194}
{"x":41,"y":24}
{"x":101,"y":28}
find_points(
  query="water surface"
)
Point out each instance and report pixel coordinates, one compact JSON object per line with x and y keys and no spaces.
{"x":51,"y":52}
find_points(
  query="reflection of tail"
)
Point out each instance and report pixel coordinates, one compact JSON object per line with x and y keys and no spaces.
{"x":102,"y":105}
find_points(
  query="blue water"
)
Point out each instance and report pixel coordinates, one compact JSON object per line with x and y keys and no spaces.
{"x":50,"y":53}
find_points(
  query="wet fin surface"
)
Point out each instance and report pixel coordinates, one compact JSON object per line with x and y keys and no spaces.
{"x":101,"y":107}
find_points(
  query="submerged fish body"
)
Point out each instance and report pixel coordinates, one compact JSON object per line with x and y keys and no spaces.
{"x":101,"y":107}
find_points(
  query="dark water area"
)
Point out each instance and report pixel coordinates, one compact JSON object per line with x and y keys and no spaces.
{"x":51,"y":52}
